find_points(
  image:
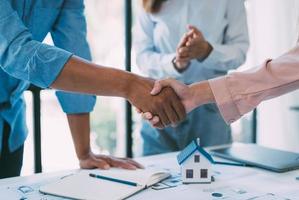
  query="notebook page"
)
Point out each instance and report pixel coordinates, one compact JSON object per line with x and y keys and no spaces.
{"x":82,"y":186}
{"x":140,"y":176}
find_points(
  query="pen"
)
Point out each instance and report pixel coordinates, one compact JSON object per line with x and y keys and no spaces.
{"x":113,"y":180}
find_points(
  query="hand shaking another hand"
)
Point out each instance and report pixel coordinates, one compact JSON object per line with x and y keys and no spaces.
{"x":191,"y":97}
{"x":166,"y":105}
{"x":171,"y":99}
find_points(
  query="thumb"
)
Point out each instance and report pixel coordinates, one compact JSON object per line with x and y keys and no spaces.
{"x":158,"y":86}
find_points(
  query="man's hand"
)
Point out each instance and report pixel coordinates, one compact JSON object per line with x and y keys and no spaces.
{"x":191,"y":96}
{"x":194,"y":46}
{"x":91,"y":161}
{"x":166,"y":105}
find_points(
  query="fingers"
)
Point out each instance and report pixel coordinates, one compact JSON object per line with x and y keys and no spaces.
{"x":176,"y":111}
{"x":171,"y":113}
{"x":183,"y":40}
{"x":99,"y":163}
{"x":124,"y":163}
{"x":164,"y":117}
{"x":179,"y":108}
{"x":155,"y":122}
{"x":147,"y":116}
{"x":157,"y":88}
{"x":183,"y":52}
{"x":195,"y":30}
{"x":138,"y":110}
{"x":177,"y":86}
{"x":192,"y":43}
{"x":133,"y":162}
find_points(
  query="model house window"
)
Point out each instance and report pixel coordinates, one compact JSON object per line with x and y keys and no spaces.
{"x":203,"y":173}
{"x":189,"y":173}
{"x":196,"y":158}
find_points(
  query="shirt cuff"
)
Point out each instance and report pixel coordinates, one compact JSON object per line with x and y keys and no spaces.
{"x":46,"y":65}
{"x":224,"y":100}
{"x":168,"y":66}
{"x":72,"y":103}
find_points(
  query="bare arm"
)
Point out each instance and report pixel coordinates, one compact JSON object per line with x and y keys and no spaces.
{"x":80,"y":129}
{"x":79,"y":75}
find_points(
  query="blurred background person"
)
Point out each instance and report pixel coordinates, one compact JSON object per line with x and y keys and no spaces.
{"x":220,"y":29}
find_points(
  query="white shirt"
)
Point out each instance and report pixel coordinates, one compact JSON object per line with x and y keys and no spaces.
{"x":222,"y":22}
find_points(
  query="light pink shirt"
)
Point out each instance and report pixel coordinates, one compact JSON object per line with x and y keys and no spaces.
{"x":238,"y":93}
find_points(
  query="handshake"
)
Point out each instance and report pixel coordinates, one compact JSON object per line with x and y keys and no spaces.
{"x":166,"y":102}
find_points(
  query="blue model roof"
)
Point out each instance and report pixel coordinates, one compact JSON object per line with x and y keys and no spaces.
{"x":190,"y":149}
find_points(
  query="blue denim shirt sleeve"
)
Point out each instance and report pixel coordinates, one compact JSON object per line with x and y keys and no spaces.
{"x":24,"y":58}
{"x":69,"y":33}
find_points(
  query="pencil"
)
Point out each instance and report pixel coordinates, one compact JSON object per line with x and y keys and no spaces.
{"x":113,"y":179}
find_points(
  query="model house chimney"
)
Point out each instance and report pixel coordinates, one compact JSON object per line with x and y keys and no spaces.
{"x":198,"y":141}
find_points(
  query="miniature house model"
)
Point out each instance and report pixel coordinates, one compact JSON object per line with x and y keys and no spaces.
{"x":195,"y":164}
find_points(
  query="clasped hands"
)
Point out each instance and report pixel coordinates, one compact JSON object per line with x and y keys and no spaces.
{"x":166,"y":102}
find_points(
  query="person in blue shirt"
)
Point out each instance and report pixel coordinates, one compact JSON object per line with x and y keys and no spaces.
{"x":220,"y":28}
{"x":65,"y":21}
{"x":25,"y":59}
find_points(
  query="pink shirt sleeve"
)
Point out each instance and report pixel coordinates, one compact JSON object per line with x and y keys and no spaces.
{"x":240,"y":92}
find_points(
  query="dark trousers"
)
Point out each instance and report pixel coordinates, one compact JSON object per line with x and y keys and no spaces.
{"x":10,"y":162}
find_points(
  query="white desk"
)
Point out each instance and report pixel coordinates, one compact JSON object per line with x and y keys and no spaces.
{"x":237,"y":183}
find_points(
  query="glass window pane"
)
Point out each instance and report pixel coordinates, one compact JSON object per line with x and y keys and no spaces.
{"x":189,"y":173}
{"x":28,"y":160}
{"x":57,"y":146}
{"x":196,"y":158}
{"x":203,"y":173}
{"x":105,"y":24}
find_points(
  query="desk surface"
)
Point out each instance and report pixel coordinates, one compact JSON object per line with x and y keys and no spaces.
{"x":231,"y":182}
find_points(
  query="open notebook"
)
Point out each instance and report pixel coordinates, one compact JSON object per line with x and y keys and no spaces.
{"x":82,"y":186}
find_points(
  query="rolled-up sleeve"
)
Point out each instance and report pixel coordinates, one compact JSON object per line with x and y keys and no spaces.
{"x":69,"y":33}
{"x":232,"y":52}
{"x":24,"y":58}
{"x":240,"y":92}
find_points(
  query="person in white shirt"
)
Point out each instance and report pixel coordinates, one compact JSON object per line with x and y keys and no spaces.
{"x":220,"y":29}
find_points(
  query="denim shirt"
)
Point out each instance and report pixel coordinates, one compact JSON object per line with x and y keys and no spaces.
{"x":24,"y":59}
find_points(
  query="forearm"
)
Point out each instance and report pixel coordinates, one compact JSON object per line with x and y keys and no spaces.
{"x":80,"y":130}
{"x":79,"y":75}
{"x":238,"y":93}
{"x":201,"y":93}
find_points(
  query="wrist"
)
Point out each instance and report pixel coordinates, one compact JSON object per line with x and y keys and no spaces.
{"x":202,"y":93}
{"x":135,"y":84}
{"x":206,"y":52}
{"x":84,"y":154}
{"x":130,"y":81}
{"x":180,"y":66}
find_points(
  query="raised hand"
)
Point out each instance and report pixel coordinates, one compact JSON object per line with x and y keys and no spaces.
{"x":181,"y":62}
{"x":194,"y":46}
{"x":166,"y":105}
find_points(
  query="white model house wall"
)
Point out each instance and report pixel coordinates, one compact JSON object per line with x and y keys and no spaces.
{"x":189,"y":164}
